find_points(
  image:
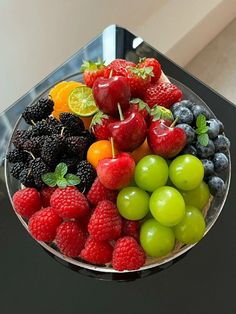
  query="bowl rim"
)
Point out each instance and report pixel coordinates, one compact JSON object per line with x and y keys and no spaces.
{"x":108,"y":269}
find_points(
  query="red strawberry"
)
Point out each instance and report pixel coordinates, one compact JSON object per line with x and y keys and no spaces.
{"x":92,"y":70}
{"x":99,"y":192}
{"x":43,"y":224}
{"x":138,"y":105}
{"x":162,"y":94}
{"x":69,"y":203}
{"x":46,"y":193}
{"x":156,"y":67}
{"x":27,"y":202}
{"x":99,"y":125}
{"x":70,"y":238}
{"x":105,"y":222}
{"x":97,"y":252}
{"x":139,"y":79}
{"x":127,"y":254}
{"x":118,"y":67}
{"x":130,"y":228}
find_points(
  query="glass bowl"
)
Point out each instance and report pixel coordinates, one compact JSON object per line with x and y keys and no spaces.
{"x":211,"y":212}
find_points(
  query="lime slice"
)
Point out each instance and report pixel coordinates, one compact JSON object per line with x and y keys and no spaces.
{"x":81,"y":101}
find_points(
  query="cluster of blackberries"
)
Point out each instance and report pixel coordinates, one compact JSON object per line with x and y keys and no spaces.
{"x":49,"y":141}
{"x":214,"y":155}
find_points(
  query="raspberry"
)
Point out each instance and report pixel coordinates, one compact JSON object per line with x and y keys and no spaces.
{"x":69,"y":203}
{"x":131,"y":228}
{"x":127,"y":255}
{"x":27,"y":202}
{"x":97,"y":252}
{"x":46,"y":193}
{"x":70,"y":238}
{"x":99,"y":193}
{"x":43,"y":224}
{"x":105,"y":222}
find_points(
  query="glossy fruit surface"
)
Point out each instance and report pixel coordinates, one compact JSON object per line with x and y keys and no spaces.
{"x":186,"y":172}
{"x":167,"y":206}
{"x":133,"y":203}
{"x":155,"y":239}
{"x":191,"y":229}
{"x":198,"y":197}
{"x":142,"y":151}
{"x":130,"y":133}
{"x":98,"y":151}
{"x":109,"y":92}
{"x":151,"y":172}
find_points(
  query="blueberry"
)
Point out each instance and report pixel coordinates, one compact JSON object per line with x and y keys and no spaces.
{"x":197,"y":110}
{"x":221,"y":126}
{"x":222,"y":143}
{"x":183,"y":103}
{"x":213,"y":128}
{"x":183,"y":114}
{"x":205,"y":151}
{"x":208,"y":167}
{"x":221,"y":162}
{"x":216,"y":186}
{"x":190,"y":133}
{"x":190,"y":149}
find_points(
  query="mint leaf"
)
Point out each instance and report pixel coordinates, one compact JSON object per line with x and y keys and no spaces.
{"x":72,"y":179}
{"x":203,"y":139}
{"x":62,"y":183}
{"x":202,"y":130}
{"x":61,"y":170}
{"x":201,"y":121}
{"x":49,"y":179}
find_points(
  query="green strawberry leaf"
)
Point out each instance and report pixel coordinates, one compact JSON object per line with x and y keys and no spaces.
{"x":142,"y":72}
{"x":72,"y":179}
{"x":159,"y":112}
{"x":97,"y":118}
{"x":92,"y":65}
{"x":49,"y":179}
{"x":203,"y":139}
{"x":141,"y":104}
{"x":62,"y":183}
{"x":61,"y":170}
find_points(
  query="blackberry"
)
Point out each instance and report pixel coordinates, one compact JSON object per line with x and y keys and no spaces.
{"x":38,"y":111}
{"x":76,"y":145}
{"x":26,"y":178}
{"x":16,"y":169}
{"x":89,"y":137}
{"x":72,"y":122}
{"x":51,"y":149}
{"x":33,"y":145}
{"x":38,"y":168}
{"x":40,"y":128}
{"x":71,"y":162}
{"x":20,"y":137}
{"x":17,"y":155}
{"x":87,"y":175}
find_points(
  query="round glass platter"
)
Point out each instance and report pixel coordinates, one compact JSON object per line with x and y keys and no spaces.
{"x":211,"y":213}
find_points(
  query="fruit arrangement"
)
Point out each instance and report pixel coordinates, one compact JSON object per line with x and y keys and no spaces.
{"x":118,"y":170}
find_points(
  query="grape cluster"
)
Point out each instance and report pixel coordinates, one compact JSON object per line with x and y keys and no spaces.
{"x":214,"y":152}
{"x":46,"y":143}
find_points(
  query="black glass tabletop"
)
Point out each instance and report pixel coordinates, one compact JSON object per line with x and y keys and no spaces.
{"x":202,"y":281}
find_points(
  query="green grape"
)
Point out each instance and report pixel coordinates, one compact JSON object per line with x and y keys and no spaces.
{"x":151,"y":172}
{"x":198,"y":197}
{"x":167,"y":206}
{"x":191,"y":229}
{"x":155,"y":239}
{"x":133,"y":203}
{"x":186,"y":172}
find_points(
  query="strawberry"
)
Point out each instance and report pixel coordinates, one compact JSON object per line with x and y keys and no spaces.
{"x":105,"y":222}
{"x":118,"y":67}
{"x":156,"y":67}
{"x":138,"y":105}
{"x":97,"y":252}
{"x":162,"y":94}
{"x":139,"y":79}
{"x":92,"y":70}
{"x":99,"y":125}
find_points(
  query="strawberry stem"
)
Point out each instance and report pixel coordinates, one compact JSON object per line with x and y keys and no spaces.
{"x":112,"y":148}
{"x":174,"y":122}
{"x":120,"y":112}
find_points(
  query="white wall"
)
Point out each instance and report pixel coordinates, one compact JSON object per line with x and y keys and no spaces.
{"x":36,"y":36}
